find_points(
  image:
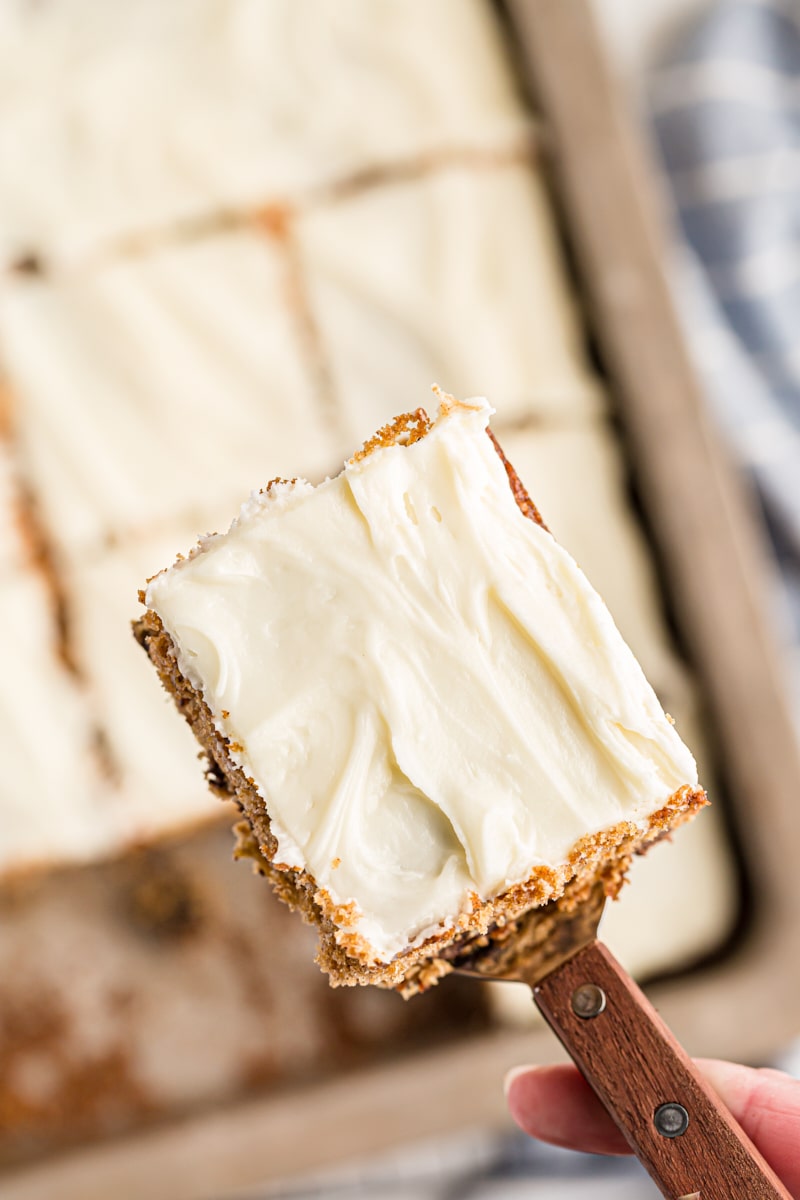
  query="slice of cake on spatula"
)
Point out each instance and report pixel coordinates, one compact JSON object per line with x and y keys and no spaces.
{"x":426,"y":714}
{"x":446,"y":754}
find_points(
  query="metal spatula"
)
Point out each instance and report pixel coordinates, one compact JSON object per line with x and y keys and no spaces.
{"x":673,"y":1121}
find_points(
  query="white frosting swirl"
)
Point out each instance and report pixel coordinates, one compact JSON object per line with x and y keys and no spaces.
{"x":431,"y":698}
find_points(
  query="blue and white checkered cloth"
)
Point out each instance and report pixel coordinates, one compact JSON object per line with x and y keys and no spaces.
{"x":725,"y":107}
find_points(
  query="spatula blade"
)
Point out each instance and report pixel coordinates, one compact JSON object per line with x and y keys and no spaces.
{"x":528,"y":949}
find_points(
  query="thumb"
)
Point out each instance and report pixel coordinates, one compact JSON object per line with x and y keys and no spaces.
{"x":767,"y":1106}
{"x":557,"y":1105}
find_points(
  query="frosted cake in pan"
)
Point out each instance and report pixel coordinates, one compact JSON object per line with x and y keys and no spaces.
{"x":262,"y":305}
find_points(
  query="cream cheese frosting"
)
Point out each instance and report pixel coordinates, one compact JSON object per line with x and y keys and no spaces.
{"x":119,"y":120}
{"x":154,"y":343}
{"x":469,"y":286}
{"x":428,"y":694}
{"x":52,"y":802}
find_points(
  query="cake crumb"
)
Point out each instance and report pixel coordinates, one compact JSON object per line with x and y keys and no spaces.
{"x":448,"y":403}
{"x":404,"y":430}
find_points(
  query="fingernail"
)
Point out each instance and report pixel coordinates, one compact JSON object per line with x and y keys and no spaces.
{"x":514,"y":1073}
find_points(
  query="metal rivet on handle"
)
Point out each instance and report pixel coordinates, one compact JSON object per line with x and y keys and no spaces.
{"x":671,"y":1120}
{"x":588,"y":1001}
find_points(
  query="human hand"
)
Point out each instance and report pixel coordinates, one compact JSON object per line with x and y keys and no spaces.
{"x":556,"y":1105}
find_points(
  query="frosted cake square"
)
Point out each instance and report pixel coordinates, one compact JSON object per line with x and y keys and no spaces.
{"x":423,"y":709}
{"x":98,"y":361}
{"x":471,"y":286}
{"x":122,"y":121}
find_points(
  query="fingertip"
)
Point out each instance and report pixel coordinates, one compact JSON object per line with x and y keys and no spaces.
{"x":517,"y":1073}
{"x":556,"y":1105}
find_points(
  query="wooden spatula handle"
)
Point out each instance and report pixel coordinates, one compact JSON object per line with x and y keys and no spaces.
{"x":673,"y":1121}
